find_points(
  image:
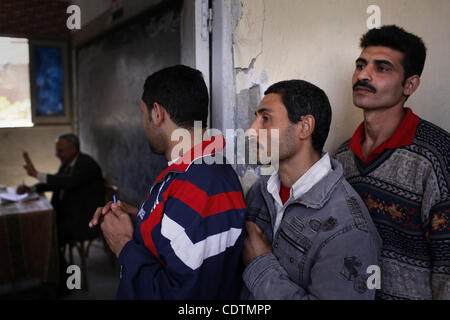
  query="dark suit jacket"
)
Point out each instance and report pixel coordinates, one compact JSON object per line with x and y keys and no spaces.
{"x":82,"y":193}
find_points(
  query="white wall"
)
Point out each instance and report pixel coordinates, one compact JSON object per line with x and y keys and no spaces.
{"x":318,"y":41}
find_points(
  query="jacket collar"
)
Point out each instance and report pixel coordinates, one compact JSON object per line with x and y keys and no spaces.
{"x":206,"y":148}
{"x":319,"y":194}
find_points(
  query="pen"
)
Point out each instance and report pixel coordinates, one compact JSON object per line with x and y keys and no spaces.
{"x":114,"y":198}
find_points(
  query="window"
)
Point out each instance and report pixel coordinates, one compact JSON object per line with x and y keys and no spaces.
{"x":15,"y":106}
{"x":33,"y":82}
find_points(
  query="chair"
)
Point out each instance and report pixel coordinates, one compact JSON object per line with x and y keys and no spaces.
{"x":84,"y":246}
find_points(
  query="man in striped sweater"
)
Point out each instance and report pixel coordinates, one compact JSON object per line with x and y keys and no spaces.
{"x":399,"y":164}
{"x":188,"y":234}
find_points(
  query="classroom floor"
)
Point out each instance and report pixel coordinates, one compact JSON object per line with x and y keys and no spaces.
{"x":103,"y":277}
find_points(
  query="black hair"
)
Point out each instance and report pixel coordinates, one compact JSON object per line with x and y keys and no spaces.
{"x":182,"y":91}
{"x":302,"y":98}
{"x":394,"y":37}
{"x":72,"y":139}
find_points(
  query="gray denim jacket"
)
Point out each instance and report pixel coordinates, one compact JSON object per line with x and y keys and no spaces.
{"x":322,"y":249}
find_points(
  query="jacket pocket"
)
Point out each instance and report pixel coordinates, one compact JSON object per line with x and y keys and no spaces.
{"x":292,"y":242}
{"x":291,"y":248}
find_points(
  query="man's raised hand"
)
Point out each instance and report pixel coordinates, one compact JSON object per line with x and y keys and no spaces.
{"x":29,"y":167}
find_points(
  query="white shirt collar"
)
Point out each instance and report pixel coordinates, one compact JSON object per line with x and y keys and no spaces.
{"x":273,"y":187}
{"x":74,"y":160}
{"x":314,"y":174}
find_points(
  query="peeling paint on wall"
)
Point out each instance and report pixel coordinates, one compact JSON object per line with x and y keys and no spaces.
{"x":249,"y":33}
{"x":247,"y":48}
{"x":248,"y":45}
{"x":318,"y":41}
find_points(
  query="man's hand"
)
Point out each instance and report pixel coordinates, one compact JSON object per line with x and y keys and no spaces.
{"x":255,"y":244}
{"x":117,"y":229}
{"x":29,"y":167}
{"x":23,"y":189}
{"x":102,"y":211}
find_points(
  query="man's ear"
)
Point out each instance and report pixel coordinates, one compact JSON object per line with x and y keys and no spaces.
{"x":307,"y":125}
{"x":411,"y":85}
{"x":158,"y":114}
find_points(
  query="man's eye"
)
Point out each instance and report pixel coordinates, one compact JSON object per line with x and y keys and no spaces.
{"x":265,"y":118}
{"x":359,"y":66}
{"x":382,"y":69}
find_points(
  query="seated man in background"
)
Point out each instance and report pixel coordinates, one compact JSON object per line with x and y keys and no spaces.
{"x":186,"y":239}
{"x":78,"y":189}
{"x":309,"y":234}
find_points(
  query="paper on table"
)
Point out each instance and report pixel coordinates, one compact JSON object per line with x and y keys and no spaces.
{"x":25,"y":206}
{"x":11,"y":195}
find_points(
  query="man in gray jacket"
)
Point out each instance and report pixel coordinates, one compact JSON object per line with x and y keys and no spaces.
{"x":309,"y":235}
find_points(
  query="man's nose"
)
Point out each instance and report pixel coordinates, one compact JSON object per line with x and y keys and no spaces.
{"x":252,"y":132}
{"x":365,"y":74}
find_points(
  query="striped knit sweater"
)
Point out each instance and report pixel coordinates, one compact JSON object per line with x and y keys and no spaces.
{"x":406,"y":190}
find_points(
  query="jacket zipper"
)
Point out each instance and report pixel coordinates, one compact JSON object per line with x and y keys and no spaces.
{"x":291,"y":241}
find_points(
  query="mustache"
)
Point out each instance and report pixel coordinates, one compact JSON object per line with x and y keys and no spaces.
{"x":360,"y":83}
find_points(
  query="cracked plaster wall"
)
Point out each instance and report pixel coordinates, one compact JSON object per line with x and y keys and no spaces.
{"x":318,"y":41}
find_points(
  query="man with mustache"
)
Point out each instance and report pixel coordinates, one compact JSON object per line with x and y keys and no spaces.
{"x":399,"y":164}
{"x":309,"y":234}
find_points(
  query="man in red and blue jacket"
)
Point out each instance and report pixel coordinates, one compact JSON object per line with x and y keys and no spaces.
{"x":188,"y":234}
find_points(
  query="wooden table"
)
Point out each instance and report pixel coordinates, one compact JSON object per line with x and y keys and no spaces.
{"x":28,"y":246}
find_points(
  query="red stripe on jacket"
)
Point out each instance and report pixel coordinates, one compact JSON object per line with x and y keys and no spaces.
{"x":148,"y":225}
{"x":205,"y":205}
{"x":195,"y":198}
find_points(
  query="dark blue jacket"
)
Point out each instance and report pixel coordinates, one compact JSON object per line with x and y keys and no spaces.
{"x":188,"y":236}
